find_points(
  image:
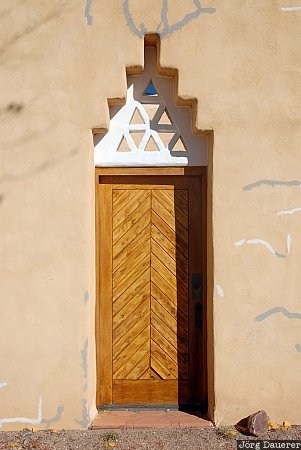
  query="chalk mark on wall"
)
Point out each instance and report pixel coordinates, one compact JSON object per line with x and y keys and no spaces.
{"x":85,"y":420}
{"x":36,"y":421}
{"x":272,"y":183}
{"x":56,"y":418}
{"x":164,"y":29}
{"x":298,"y":347}
{"x":3,"y":385}
{"x":277,"y":310}
{"x":288,"y":211}
{"x":267,"y":245}
{"x":88,"y":12}
{"x":291,"y":8}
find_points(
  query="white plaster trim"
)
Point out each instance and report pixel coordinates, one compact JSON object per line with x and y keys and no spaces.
{"x":25,"y":419}
{"x":106,"y":152}
{"x":267,"y":245}
{"x":288,"y":211}
{"x":291,"y":8}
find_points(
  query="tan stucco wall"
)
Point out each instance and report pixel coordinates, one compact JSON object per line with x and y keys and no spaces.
{"x":242,"y":62}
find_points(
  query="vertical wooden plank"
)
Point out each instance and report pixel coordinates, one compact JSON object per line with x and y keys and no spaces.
{"x":104,"y":293}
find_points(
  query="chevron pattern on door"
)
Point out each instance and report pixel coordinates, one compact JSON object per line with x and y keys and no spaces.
{"x":150,"y":283}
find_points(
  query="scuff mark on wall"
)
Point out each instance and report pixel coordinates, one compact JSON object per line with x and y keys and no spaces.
{"x":86,"y":296}
{"x":288,"y":211}
{"x":87,"y":12}
{"x":36,"y":421}
{"x":272,"y":183}
{"x":277,"y":310}
{"x":85,"y":420}
{"x":267,"y":245}
{"x":2,"y":385}
{"x":166,"y":29}
{"x":56,"y":418}
{"x":84,"y":355}
{"x":220,"y":291}
{"x":298,"y":347}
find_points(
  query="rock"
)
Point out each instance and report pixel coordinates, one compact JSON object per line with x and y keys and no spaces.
{"x":255,"y":425}
{"x":286,"y":424}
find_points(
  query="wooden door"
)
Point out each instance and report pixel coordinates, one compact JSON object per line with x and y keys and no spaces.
{"x":151,"y":258}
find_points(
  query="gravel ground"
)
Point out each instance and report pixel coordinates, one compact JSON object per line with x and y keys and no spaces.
{"x":158,"y":439}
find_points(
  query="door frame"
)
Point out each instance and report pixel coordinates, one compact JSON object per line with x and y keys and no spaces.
{"x":103,"y":336}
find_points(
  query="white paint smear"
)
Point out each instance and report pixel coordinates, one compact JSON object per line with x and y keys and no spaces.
{"x":2,"y":385}
{"x":289,"y":243}
{"x":266,"y":244}
{"x":25,"y":419}
{"x":220,"y":291}
{"x":291,"y":8}
{"x":288,"y":211}
{"x":239,"y":243}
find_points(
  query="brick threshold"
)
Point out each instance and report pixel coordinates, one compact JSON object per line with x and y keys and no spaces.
{"x":129,"y":419}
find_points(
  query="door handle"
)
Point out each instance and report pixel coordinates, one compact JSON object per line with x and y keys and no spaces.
{"x":196,"y":285}
{"x":198,"y":315}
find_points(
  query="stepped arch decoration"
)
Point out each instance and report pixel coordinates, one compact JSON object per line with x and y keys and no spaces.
{"x":153,"y":127}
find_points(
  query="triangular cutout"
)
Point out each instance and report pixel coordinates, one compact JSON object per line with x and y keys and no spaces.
{"x":136,"y":119}
{"x":123,"y":146}
{"x":151,"y":146}
{"x":179,"y":146}
{"x":164,"y":119}
{"x":150,"y":90}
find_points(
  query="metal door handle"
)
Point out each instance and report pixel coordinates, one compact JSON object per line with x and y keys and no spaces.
{"x":196,"y":284}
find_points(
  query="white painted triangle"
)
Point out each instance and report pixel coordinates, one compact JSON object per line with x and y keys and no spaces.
{"x":136,"y":118}
{"x":151,"y":146}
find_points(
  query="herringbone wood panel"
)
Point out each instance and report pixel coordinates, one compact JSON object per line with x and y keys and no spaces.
{"x":150,"y":284}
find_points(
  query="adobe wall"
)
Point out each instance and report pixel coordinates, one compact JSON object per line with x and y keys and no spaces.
{"x":60,"y":62}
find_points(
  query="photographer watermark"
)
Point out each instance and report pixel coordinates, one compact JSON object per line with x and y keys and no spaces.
{"x":267,"y":444}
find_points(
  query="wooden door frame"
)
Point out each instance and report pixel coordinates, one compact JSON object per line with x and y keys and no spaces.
{"x":104,"y":335}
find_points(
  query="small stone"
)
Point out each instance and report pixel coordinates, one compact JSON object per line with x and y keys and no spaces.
{"x":286,"y":424}
{"x":273,"y":426}
{"x":255,"y":425}
{"x":232,"y":434}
